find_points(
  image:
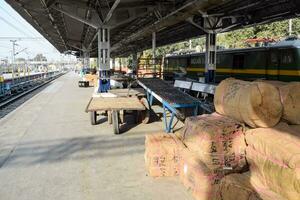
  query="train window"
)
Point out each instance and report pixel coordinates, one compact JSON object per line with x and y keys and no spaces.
{"x":286,"y":56}
{"x":199,"y":60}
{"x":195,"y":60}
{"x":274,"y":58}
{"x":218,"y":59}
{"x":238,"y":61}
{"x":202,"y":60}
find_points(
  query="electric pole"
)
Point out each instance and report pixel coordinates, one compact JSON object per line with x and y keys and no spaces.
{"x":13,"y":59}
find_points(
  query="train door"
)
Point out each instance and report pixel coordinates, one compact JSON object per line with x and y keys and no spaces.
{"x":272,"y":70}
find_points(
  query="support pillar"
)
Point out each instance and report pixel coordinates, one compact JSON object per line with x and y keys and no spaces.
{"x":113,"y":62}
{"x":154,"y":51}
{"x":134,"y":63}
{"x":211,"y":48}
{"x":120,"y":65}
{"x":210,"y":57}
{"x":86,"y":59}
{"x":104,"y":59}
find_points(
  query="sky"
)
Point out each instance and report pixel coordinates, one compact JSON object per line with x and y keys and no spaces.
{"x":13,"y":25}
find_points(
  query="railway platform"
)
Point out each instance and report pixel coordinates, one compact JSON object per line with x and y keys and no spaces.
{"x":49,"y":150}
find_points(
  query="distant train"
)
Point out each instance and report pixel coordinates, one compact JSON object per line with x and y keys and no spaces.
{"x":9,"y":86}
{"x":277,"y":62}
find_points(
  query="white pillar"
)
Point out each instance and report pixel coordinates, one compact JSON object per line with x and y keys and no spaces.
{"x":86,"y":59}
{"x":104,"y":59}
{"x":210,"y":57}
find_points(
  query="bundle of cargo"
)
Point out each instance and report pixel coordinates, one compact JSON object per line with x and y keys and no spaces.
{"x":255,"y":103}
{"x":296,"y":128}
{"x":244,"y":186}
{"x":218,"y":141}
{"x":274,"y":157}
{"x":289,"y":96}
{"x":91,"y":78}
{"x":237,"y":186}
{"x":162,"y":154}
{"x":198,"y":177}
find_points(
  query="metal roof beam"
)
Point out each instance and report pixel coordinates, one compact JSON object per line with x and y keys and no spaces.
{"x":77,"y":3}
{"x":93,"y":39}
{"x":132,"y":16}
{"x":173,"y":18}
{"x":111,"y":11}
{"x":52,"y":22}
{"x":79,"y":18}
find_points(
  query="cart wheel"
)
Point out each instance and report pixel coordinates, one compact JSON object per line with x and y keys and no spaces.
{"x":145,"y":115}
{"x":115,"y":121}
{"x":93,"y":117}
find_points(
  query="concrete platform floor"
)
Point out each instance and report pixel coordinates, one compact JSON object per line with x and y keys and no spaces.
{"x":49,"y":150}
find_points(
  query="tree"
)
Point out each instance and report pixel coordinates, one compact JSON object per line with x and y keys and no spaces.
{"x":20,"y":60}
{"x":233,"y":39}
{"x":40,"y":57}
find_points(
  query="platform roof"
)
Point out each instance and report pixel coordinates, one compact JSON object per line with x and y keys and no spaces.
{"x":72,"y":24}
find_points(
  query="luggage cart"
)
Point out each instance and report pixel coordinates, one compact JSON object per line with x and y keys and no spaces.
{"x":172,"y":99}
{"x":113,"y":105}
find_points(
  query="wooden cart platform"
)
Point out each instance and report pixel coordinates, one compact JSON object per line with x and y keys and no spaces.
{"x":113,"y":105}
{"x":139,"y":92}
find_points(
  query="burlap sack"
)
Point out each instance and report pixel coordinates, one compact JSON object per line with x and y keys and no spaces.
{"x":290,"y":97}
{"x":90,"y":78}
{"x":202,"y":181}
{"x":278,"y":177}
{"x":216,"y":140}
{"x":296,"y":128}
{"x":280,"y":143}
{"x":237,"y":186}
{"x":274,"y":154}
{"x":246,"y":185}
{"x":162,"y":154}
{"x":255,"y":103}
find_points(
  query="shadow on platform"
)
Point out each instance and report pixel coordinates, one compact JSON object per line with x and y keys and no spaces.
{"x":78,"y":148}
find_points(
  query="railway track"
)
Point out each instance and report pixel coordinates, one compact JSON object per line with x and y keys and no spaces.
{"x":15,"y":101}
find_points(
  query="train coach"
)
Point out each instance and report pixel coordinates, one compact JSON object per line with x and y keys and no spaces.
{"x":9,"y":85}
{"x":280,"y":61}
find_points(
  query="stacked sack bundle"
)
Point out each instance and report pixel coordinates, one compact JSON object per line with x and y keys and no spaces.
{"x":255,"y":103}
{"x":236,"y":186}
{"x":244,"y":186}
{"x":91,"y":78}
{"x":162,"y":154}
{"x":198,"y":177}
{"x":274,"y":157}
{"x":289,"y":96}
{"x":215,"y":147}
{"x":273,"y":149}
{"x":212,"y":152}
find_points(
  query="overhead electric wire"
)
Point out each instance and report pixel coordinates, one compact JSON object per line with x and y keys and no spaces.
{"x":22,"y":23}
{"x":41,"y":40}
{"x":7,"y":47}
{"x":10,"y":24}
{"x":17,"y":20}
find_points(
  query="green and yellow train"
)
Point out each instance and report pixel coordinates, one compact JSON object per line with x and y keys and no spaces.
{"x":277,"y":62}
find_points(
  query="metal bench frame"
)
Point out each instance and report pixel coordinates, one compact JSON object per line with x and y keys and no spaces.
{"x":199,"y":88}
{"x":172,"y":108}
